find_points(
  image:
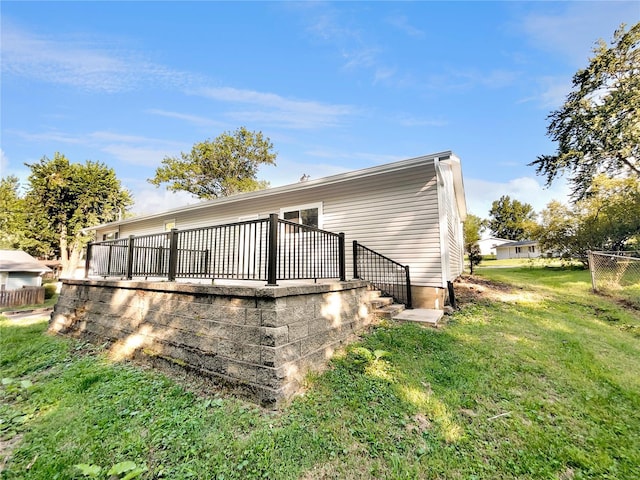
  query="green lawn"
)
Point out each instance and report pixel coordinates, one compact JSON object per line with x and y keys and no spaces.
{"x":537,"y":378}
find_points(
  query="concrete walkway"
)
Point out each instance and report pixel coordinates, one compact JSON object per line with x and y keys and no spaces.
{"x":425,"y":316}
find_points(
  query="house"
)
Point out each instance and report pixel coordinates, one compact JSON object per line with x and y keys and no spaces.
{"x":410,"y":211}
{"x":19,"y":269}
{"x":522,"y":249}
{"x":488,"y":245}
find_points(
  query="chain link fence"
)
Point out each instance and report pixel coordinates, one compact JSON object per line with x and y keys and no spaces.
{"x":616,"y":273}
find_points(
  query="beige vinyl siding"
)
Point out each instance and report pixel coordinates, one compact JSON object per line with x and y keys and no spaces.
{"x":395,"y":213}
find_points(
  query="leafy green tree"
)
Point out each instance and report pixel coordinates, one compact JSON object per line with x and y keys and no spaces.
{"x":12,"y":213}
{"x":68,"y":197}
{"x":511,"y":219}
{"x":606,"y":220}
{"x":473,"y":225}
{"x":597,"y":128}
{"x":227,"y":165}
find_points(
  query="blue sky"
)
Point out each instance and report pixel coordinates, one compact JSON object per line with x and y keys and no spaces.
{"x":335,"y":86}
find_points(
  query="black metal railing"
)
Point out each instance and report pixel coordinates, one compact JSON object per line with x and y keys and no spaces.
{"x":388,"y":276}
{"x":268,"y":249}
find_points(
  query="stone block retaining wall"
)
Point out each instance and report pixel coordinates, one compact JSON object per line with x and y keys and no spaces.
{"x":261,"y":340}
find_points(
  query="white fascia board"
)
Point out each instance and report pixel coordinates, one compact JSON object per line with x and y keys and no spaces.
{"x":458,"y":184}
{"x":299,"y":186}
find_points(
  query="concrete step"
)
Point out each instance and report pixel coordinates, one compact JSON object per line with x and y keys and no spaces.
{"x":380,"y":302}
{"x":425,"y":316}
{"x":389,"y":311}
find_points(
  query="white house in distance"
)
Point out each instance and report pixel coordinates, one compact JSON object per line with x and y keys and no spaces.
{"x":522,"y":249}
{"x":410,"y":211}
{"x":19,"y":269}
{"x":488,"y":245}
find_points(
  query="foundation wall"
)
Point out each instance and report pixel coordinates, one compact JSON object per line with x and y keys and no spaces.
{"x":261,"y":341}
{"x":428,"y":297}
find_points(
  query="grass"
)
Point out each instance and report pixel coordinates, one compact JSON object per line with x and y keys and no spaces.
{"x":534,"y":377}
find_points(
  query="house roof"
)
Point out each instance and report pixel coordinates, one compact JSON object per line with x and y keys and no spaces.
{"x":521,"y":243}
{"x":495,"y":239}
{"x":446,"y":157}
{"x":20,"y":261}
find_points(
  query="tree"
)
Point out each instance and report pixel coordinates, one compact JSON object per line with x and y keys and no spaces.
{"x":68,"y":197}
{"x":472,"y":228}
{"x":12,"y":213}
{"x":606,"y":220}
{"x":597,"y":128}
{"x":17,"y":222}
{"x":227,"y":165}
{"x":511,"y":219}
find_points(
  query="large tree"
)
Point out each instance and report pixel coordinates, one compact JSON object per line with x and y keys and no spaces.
{"x":12,"y":213}
{"x":227,"y":165}
{"x":18,"y":222}
{"x":607,"y":219}
{"x":598,"y":127}
{"x":68,"y":197}
{"x":511,"y":219}
{"x":473,"y":225}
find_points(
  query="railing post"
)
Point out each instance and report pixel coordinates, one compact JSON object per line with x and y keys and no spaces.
{"x":272,"y":252}
{"x":130,"y":258}
{"x":355,"y":259}
{"x":173,"y":254}
{"x":408,"y":282}
{"x":342,"y":257}
{"x":87,"y":260}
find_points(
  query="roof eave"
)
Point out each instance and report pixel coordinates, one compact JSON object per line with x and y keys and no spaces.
{"x":299,"y":186}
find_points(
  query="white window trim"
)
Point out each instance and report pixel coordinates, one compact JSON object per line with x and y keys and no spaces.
{"x":110,"y":232}
{"x":305,"y":206}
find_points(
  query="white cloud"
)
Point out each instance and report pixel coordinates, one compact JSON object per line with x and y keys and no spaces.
{"x":192,"y":119}
{"x":278,"y":110}
{"x":131,"y":149}
{"x":136,"y":155}
{"x":82,"y":63}
{"x":574,"y":30}
{"x":481,"y":193}
{"x":149,"y":199}
{"x":402,"y":23}
{"x":551,"y":93}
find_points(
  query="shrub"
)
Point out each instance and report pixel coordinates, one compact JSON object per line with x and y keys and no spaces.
{"x":49,"y":290}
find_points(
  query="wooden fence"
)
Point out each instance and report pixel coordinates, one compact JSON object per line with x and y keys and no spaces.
{"x":23,"y":296}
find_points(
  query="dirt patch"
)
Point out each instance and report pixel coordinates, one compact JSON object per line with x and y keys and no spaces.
{"x":470,"y":289}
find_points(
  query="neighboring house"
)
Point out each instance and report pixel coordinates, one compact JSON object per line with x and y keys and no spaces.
{"x":19,"y":269}
{"x":488,"y":245}
{"x":522,"y":249}
{"x":410,"y":211}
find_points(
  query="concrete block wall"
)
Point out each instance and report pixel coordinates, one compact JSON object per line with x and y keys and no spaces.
{"x":260,"y":340}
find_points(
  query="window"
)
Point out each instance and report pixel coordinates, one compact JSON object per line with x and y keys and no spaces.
{"x":310,"y":215}
{"x":532,"y":249}
{"x":518,"y":249}
{"x":169,"y":224}
{"x":113,"y":235}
